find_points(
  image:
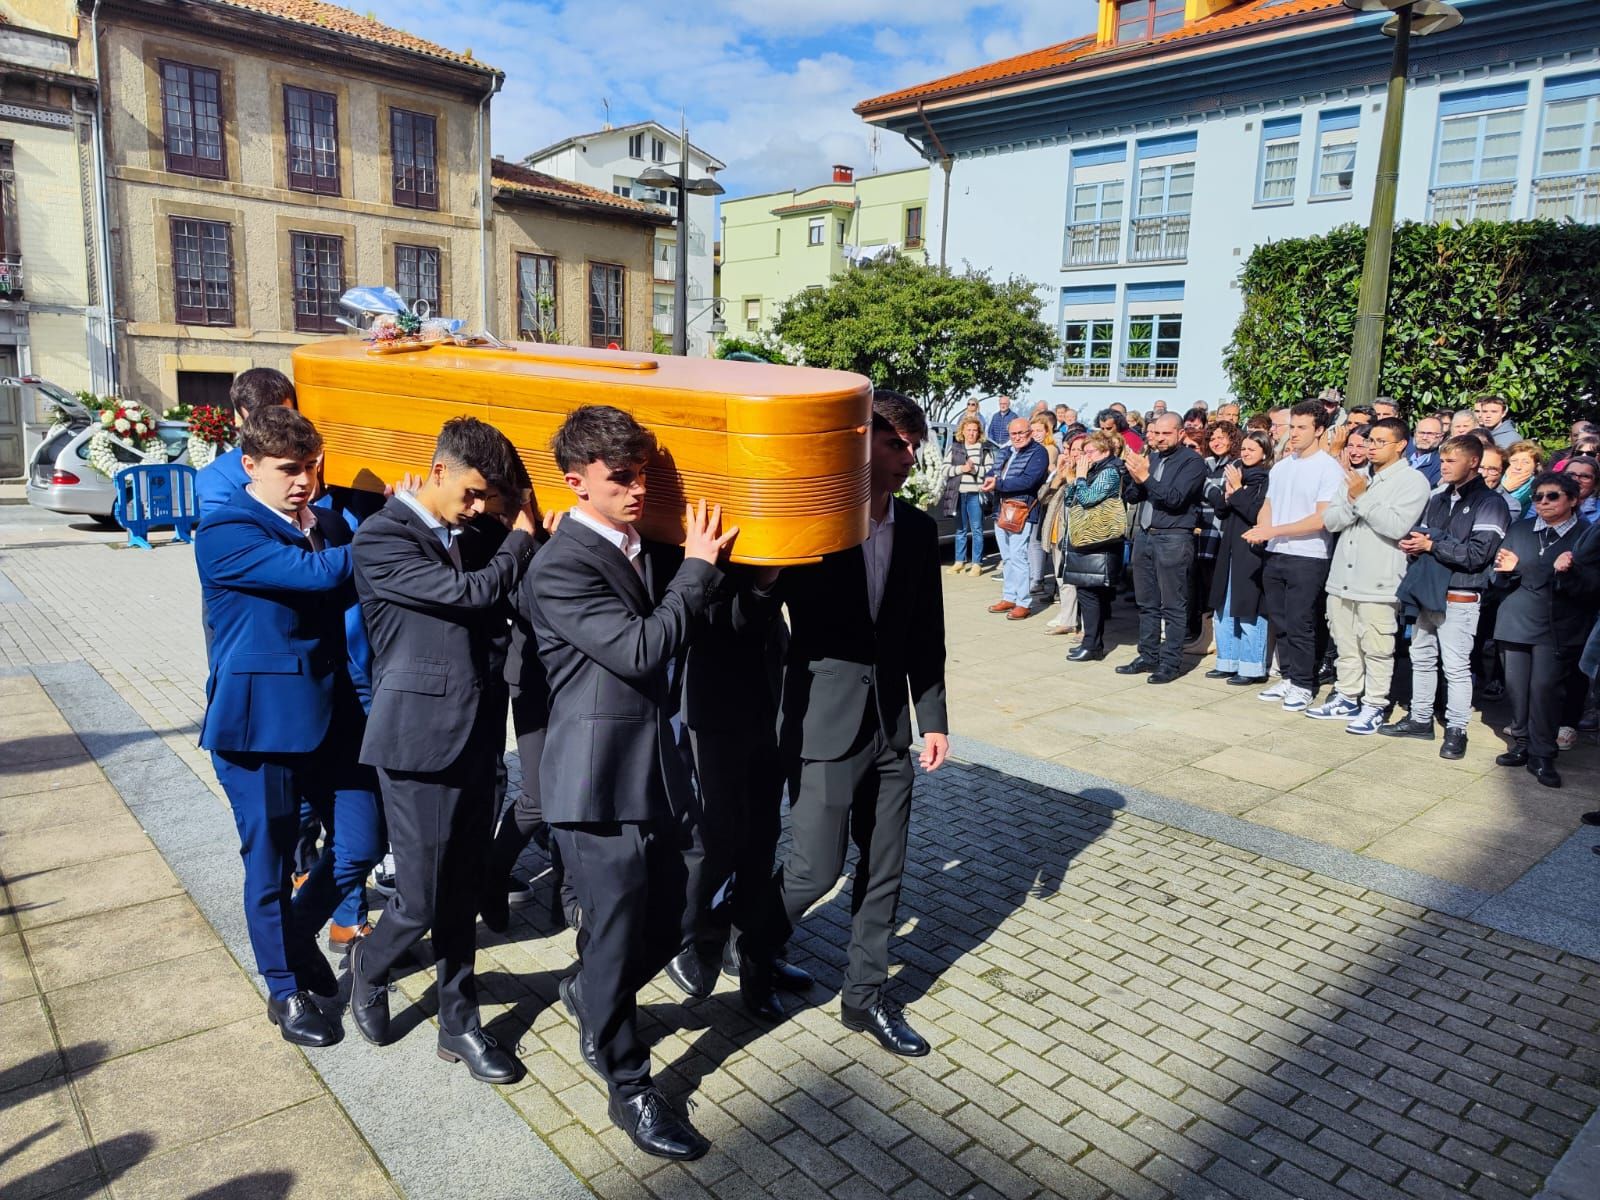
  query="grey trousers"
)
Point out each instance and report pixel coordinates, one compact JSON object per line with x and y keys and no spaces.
{"x":1444,"y":637}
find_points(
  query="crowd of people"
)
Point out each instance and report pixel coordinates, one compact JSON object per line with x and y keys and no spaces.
{"x":1312,"y":544}
{"x":366,"y":653}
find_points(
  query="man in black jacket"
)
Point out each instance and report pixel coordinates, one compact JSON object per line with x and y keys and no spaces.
{"x":866,"y":648}
{"x":434,"y":729}
{"x":613,"y":784}
{"x":1164,"y":491}
{"x":1456,"y":539}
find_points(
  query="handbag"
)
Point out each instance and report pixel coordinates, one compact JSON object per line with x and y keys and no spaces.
{"x":1013,"y":515}
{"x":1104,"y":522}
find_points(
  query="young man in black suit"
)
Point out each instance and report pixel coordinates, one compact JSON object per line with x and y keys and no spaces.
{"x":435,"y":728}
{"x":866,"y":648}
{"x":612,"y":782}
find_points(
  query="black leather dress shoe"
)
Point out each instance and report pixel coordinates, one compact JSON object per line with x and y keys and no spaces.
{"x":1083,"y":654}
{"x":655,"y":1128}
{"x":1163,"y":675}
{"x":1246,"y":680}
{"x":688,"y":972}
{"x":301,"y":1021}
{"x":1216,"y":674}
{"x":369,"y":1000}
{"x":569,"y":999}
{"x":1139,"y":666}
{"x":1409,"y":728}
{"x":1544,"y":770}
{"x":755,"y":989}
{"x":483,"y":1057}
{"x":790,"y":978}
{"x":1455,"y":744}
{"x":1517,"y":756}
{"x":884,"y":1022}
{"x":1591,"y":818}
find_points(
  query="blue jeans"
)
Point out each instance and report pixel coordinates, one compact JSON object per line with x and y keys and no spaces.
{"x":1014,"y":564}
{"x":969,"y":527}
{"x":1243,"y":652}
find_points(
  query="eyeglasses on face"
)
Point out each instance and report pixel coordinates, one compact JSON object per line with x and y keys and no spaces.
{"x":1548,"y":497}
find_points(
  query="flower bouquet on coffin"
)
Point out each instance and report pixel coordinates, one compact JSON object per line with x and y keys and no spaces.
{"x":210,"y":434}
{"x":133,"y":427}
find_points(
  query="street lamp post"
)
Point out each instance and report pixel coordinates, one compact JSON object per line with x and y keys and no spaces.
{"x":1411,"y":18}
{"x":684,"y":187}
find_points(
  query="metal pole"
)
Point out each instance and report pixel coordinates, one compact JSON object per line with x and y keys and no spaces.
{"x":944,"y":212}
{"x":1366,"y":353}
{"x":680,"y":286}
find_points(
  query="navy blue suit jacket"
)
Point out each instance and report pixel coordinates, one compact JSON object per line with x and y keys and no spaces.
{"x":277,"y":614}
{"x":217,"y":481}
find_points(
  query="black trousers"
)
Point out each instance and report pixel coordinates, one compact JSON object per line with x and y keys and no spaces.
{"x":1294,"y":599}
{"x":1546,"y":691}
{"x":522,"y":819}
{"x":1163,"y":566}
{"x":439,"y":826}
{"x":741,"y":797}
{"x":863,"y":797}
{"x":631,"y":882}
{"x":1093,"y":605}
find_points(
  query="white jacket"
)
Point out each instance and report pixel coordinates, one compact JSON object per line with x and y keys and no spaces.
{"x":1367,"y":563}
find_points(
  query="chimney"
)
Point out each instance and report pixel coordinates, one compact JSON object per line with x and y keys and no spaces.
{"x":843,"y":174}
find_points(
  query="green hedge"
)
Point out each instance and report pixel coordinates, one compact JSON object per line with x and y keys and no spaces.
{"x":1507,"y":307}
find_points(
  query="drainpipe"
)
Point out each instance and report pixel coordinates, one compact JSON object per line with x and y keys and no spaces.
{"x":485,"y":194}
{"x":103,"y":202}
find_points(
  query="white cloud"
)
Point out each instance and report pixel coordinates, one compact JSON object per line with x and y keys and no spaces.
{"x":768,"y":88}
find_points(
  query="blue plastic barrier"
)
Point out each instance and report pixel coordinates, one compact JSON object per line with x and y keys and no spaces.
{"x":151,"y":495}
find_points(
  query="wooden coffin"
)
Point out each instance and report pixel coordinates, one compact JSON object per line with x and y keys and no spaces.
{"x":782,"y":449}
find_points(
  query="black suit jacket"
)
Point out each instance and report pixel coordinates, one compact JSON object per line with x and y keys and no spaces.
{"x":606,"y":638}
{"x":841,"y":660}
{"x":431,"y":628}
{"x":1543,"y":606}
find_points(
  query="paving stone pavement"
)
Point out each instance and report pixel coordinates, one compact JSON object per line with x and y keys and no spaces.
{"x":1118,"y":1007}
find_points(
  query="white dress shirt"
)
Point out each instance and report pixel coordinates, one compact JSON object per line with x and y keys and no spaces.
{"x":447,"y":536}
{"x":304,"y":522}
{"x":877,"y":550}
{"x":628,"y":542}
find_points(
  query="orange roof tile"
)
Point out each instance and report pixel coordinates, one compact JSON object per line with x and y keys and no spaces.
{"x":1079,"y":52}
{"x":513,"y":177}
{"x":813,"y":204}
{"x":322,"y":15}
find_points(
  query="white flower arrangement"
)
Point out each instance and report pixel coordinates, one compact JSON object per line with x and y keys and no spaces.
{"x":130,"y":426}
{"x":202,"y":453}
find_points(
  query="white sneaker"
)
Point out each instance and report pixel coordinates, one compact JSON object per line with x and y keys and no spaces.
{"x":1566,"y":738}
{"x":1276,"y":692}
{"x":1335,"y":708}
{"x":1296,"y":699}
{"x":1368,"y":720}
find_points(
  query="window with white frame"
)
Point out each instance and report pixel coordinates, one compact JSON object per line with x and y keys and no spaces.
{"x":1095,"y":204}
{"x":1338,"y":131}
{"x":1280,"y":160}
{"x":1475,"y":154}
{"x":1088,"y":326}
{"x":1566,"y":182}
{"x":816,"y":231}
{"x":1163,"y":198}
{"x":1152,"y":333}
{"x":752,"y":314}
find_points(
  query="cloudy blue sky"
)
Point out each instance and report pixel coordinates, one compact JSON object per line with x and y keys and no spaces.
{"x":768,"y":86}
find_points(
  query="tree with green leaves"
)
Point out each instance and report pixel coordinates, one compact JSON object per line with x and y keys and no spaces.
{"x":1492,"y":306}
{"x":935,"y":335}
{"x":760,"y":347}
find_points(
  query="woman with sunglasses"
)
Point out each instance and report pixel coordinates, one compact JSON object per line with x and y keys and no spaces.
{"x":1542,"y":624}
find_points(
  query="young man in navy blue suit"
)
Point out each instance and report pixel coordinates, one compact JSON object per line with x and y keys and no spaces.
{"x":283,"y":722}
{"x":254,"y":390}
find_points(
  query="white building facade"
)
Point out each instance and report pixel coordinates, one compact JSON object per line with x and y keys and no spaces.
{"x":1138,"y":214}
{"x":613,"y":159}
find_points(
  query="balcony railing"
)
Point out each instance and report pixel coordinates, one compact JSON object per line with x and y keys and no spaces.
{"x":10,"y":274}
{"x":666,"y":269}
{"x":1083,"y":372}
{"x":1574,"y":196}
{"x":1092,"y":243}
{"x":661,"y":323}
{"x":1472,"y":202}
{"x":1145,"y":371}
{"x":1159,"y":239}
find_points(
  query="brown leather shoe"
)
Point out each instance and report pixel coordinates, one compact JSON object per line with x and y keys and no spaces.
{"x":342,"y":937}
{"x":1020,"y":612}
{"x":1002,"y":606}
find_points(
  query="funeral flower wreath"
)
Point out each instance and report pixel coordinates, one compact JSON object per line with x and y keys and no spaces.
{"x":131,"y":426}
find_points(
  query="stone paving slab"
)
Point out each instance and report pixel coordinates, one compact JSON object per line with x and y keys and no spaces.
{"x":135,"y":1059}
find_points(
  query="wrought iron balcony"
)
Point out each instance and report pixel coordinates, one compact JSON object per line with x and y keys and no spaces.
{"x":1159,"y":239}
{"x":1145,"y":371}
{"x":1472,"y":202}
{"x":1561,"y":196}
{"x":10,"y":274}
{"x":1083,"y":372}
{"x":1093,"y":243}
